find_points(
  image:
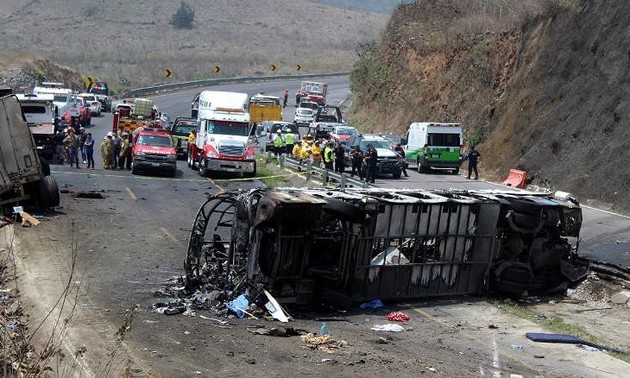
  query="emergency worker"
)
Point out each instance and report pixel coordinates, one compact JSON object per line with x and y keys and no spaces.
{"x":339,"y":158}
{"x":125,"y":152}
{"x":329,"y":156}
{"x":192,"y":136}
{"x":316,"y":153}
{"x":289,"y":141}
{"x":473,"y":157}
{"x":117,"y":142}
{"x":107,"y":150}
{"x":278,"y":143}
{"x":371,"y":157}
{"x":400,"y":151}
{"x":356,"y":156}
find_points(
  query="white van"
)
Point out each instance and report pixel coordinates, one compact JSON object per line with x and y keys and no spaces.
{"x":63,"y":98}
{"x":434,"y":145}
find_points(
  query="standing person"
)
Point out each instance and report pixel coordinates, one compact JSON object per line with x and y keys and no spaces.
{"x":60,"y":150}
{"x":286,"y":98}
{"x":71,"y":142}
{"x":298,"y":95}
{"x":107,"y":150}
{"x":371,"y":157}
{"x":473,"y":157}
{"x":82,"y":135}
{"x":297,"y":151}
{"x":116,"y":141}
{"x":289,"y":141}
{"x":278,"y":143}
{"x":88,"y":145}
{"x":316,"y":153}
{"x":125,"y":152}
{"x":329,"y":156}
{"x":399,"y":150}
{"x":340,"y":158}
{"x":357,"y":159}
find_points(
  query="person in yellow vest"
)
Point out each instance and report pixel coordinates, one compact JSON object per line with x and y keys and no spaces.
{"x":329,"y":156}
{"x":316,"y":153}
{"x":297,"y":151}
{"x":191,"y":137}
{"x":289,"y":141}
{"x":278,"y":143}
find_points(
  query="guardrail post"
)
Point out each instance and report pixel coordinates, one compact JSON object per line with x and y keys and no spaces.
{"x":324,"y":177}
{"x":342,"y":181}
{"x":309,"y":166}
{"x":281,"y":160}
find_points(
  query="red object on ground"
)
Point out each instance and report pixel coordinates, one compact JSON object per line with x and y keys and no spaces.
{"x":516,"y":178}
{"x":398,"y":316}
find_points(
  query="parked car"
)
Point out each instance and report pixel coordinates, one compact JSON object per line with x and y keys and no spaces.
{"x":268,"y":129}
{"x":93,"y":103}
{"x":304,"y":116}
{"x":194,"y":106}
{"x":341,"y":134}
{"x":85,"y":115}
{"x":310,"y":105}
{"x":388,"y":162}
{"x":393,"y":138}
{"x":101,"y":90}
{"x":182,"y":127}
{"x":165,"y":121}
{"x":153,"y":150}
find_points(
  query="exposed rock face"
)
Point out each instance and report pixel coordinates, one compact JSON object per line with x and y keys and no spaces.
{"x":544,"y":90}
{"x":23,"y":73}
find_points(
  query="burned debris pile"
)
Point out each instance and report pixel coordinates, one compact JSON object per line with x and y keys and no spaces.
{"x":308,"y":246}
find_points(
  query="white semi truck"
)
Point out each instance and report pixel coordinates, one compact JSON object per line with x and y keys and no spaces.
{"x":222,"y":141}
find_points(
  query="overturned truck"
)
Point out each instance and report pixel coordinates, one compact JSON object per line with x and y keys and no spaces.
{"x":315,"y":245}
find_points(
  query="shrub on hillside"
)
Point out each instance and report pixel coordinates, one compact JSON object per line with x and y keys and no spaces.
{"x":184,"y":17}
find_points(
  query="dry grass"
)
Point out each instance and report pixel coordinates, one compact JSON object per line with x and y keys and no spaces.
{"x":132,"y":42}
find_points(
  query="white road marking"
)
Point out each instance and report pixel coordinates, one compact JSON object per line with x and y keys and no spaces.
{"x":131,"y":193}
{"x":169,"y":235}
{"x":495,"y":358}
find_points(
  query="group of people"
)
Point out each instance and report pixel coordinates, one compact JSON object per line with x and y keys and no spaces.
{"x":73,"y":146}
{"x":327,"y":154}
{"x":70,"y":143}
{"x":116,"y":150}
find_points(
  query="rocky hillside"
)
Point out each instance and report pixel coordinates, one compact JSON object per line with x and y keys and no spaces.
{"x":540,"y":85}
{"x":22,"y":73}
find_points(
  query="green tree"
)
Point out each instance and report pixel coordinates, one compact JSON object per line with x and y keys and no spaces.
{"x":184,"y":17}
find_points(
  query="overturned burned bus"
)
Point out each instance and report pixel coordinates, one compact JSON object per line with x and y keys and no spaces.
{"x":312,"y":245}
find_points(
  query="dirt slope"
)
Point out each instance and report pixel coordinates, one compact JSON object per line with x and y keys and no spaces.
{"x":541,"y":85}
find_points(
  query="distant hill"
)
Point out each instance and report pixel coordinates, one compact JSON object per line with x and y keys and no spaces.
{"x":130,"y":43}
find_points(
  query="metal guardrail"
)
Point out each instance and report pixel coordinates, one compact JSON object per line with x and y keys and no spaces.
{"x":312,"y":173}
{"x":209,"y":82}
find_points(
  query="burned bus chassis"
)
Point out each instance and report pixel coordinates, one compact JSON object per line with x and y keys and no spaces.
{"x":312,"y":245}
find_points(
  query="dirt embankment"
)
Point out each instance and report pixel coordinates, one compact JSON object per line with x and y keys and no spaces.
{"x":543,"y":88}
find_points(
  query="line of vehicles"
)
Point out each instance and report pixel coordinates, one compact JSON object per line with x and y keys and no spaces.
{"x":225,"y":124}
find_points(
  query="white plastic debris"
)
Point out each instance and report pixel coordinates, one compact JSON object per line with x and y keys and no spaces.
{"x":389,"y":327}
